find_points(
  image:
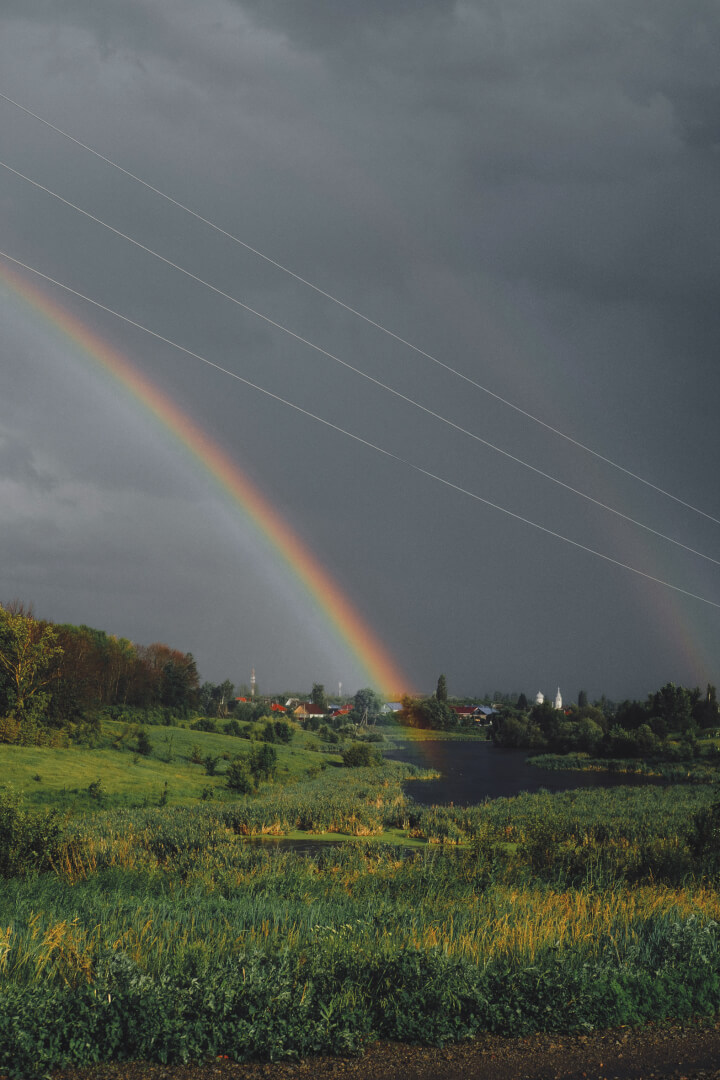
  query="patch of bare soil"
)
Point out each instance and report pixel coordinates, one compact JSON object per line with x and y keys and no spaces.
{"x":687,"y":1051}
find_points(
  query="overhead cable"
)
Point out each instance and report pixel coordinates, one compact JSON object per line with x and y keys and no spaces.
{"x":359,"y":314}
{"x":388,"y":454}
{"x":357,"y":371}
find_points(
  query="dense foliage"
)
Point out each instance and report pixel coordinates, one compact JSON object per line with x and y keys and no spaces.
{"x":172,"y":936}
{"x":666,"y":725}
{"x":56,"y":677}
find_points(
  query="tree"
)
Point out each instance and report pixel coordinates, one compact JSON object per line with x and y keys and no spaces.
{"x":28,"y":651}
{"x":522,"y":703}
{"x":706,"y":710}
{"x":441,"y":692}
{"x":319,"y":697}
{"x":582,"y":699}
{"x":674,"y":704}
{"x":428,"y":713}
{"x":262,"y":761}
{"x":368,"y":703}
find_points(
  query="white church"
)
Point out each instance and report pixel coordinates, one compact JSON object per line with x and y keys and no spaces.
{"x":540,"y":698}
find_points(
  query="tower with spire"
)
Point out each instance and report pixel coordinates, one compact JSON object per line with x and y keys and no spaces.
{"x":558,"y":700}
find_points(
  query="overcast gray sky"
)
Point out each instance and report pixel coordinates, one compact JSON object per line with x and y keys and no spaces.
{"x":529,"y":192}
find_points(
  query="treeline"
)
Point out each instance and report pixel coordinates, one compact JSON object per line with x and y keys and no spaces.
{"x":59,"y":675}
{"x":667,"y":724}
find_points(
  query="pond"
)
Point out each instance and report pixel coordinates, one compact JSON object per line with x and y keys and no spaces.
{"x":473,"y":771}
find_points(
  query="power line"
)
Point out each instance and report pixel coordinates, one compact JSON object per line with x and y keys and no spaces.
{"x":356,"y":438}
{"x":351,"y":367}
{"x":359,"y":314}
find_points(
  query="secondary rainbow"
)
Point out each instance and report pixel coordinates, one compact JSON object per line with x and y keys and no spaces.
{"x":325,"y":594}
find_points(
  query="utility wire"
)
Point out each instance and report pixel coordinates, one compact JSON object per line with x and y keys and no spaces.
{"x":357,"y":371}
{"x":356,"y":438}
{"x":359,"y":314}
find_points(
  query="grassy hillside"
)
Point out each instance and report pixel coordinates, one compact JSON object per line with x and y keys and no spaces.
{"x":62,"y":776}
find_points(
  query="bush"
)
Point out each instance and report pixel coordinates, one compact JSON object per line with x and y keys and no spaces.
{"x":361,"y":754}
{"x":143,"y":744}
{"x":204,"y":724}
{"x":97,"y":791}
{"x":238,"y":777}
{"x":233,"y":728}
{"x":283,"y":731}
{"x":29,"y":841}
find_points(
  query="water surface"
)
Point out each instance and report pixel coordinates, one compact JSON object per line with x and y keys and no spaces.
{"x":474,"y":771}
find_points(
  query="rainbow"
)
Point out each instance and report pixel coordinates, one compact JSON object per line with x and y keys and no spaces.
{"x":324,"y":593}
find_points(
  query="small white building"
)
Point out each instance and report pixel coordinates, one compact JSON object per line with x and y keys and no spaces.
{"x":539,"y":697}
{"x":558,"y":700}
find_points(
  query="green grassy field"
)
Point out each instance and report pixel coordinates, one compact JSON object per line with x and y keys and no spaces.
{"x":61,"y":777}
{"x":180,"y":932}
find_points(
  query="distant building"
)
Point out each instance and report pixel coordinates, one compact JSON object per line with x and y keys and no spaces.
{"x":558,"y":700}
{"x":308,"y":708}
{"x":539,"y":697}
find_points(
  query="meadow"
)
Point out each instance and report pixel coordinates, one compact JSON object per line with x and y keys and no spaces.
{"x":161,"y":927}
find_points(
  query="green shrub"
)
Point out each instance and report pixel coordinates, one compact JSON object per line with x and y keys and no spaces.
{"x":239,"y":778}
{"x":29,"y":840}
{"x":361,"y":754}
{"x":142,"y":743}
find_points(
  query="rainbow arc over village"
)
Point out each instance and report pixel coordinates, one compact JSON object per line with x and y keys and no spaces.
{"x":327,"y":597}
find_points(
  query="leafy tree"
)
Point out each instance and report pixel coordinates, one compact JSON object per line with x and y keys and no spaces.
{"x":28,"y":651}
{"x":428,"y":713}
{"x":247,"y":712}
{"x":226,"y":692}
{"x":262,"y":761}
{"x":706,"y":710}
{"x":267,"y":731}
{"x":582,"y":699}
{"x":319,"y":697}
{"x":522,"y":702}
{"x":441,"y":692}
{"x":674,"y":704}
{"x":589,"y":735}
{"x":367,"y":702}
{"x":631,"y":715}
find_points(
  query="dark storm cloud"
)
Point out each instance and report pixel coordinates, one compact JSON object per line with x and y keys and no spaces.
{"x":528,"y":191}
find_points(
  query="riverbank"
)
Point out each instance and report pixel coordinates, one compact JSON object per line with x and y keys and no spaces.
{"x":690,"y":1050}
{"x":683,"y":772}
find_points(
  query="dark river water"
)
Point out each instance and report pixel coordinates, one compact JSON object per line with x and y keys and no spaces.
{"x":474,"y":771}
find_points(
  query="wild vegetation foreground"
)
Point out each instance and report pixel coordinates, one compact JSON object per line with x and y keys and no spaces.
{"x":170,"y":934}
